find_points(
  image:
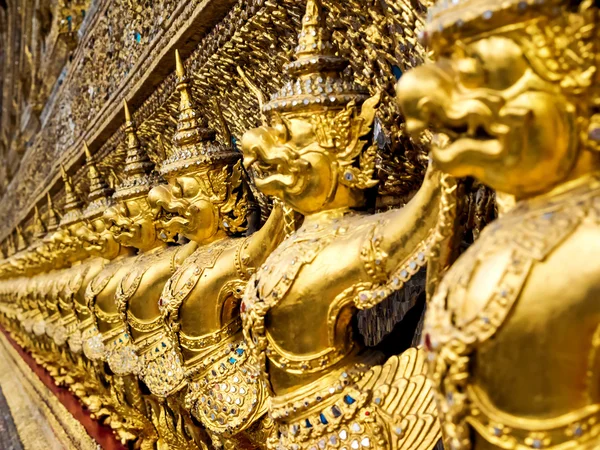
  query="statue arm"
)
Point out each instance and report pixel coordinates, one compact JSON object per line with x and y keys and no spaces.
{"x":404,"y":233}
{"x":400,"y":243}
{"x":183,"y":252}
{"x":257,"y":247}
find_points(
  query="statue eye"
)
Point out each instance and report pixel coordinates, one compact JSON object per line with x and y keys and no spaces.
{"x":189,"y":187}
{"x":176,"y":190}
{"x":470,"y":72}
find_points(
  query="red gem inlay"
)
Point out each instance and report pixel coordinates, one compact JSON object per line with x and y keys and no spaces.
{"x":428,"y":342}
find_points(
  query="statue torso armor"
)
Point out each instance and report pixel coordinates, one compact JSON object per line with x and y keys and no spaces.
{"x":104,"y":320}
{"x":518,"y":296}
{"x":136,"y":297}
{"x":53,"y":297}
{"x":207,"y":349}
{"x":78,"y":289}
{"x":343,"y":396}
{"x":75,"y":277}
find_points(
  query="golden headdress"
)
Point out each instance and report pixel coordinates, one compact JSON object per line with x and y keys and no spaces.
{"x":10,"y":246}
{"x":447,"y":15}
{"x":39,"y":229}
{"x":21,"y":242}
{"x":53,"y":215}
{"x":72,"y":210}
{"x":100,"y":196}
{"x":448,"y":18}
{"x":138,"y":174}
{"x":317,"y":73}
{"x":194,"y":144}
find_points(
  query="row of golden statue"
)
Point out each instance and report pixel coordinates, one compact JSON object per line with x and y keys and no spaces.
{"x":234,"y":340}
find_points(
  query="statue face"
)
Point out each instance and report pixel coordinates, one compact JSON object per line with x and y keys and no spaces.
{"x":61,"y":244}
{"x":97,"y":240}
{"x":46,"y":253}
{"x":496,"y":119}
{"x":290,"y":164}
{"x":186,"y":208}
{"x":132,"y":223}
{"x":78,"y":251}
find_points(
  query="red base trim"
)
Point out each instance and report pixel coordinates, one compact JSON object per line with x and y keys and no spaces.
{"x":101,"y":433}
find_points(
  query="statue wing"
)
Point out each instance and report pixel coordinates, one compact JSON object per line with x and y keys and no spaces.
{"x":403,"y":395}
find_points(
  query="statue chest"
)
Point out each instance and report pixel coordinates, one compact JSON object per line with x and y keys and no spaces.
{"x":501,"y":330}
{"x":300,"y":303}
{"x":139,"y":290}
{"x":205,"y":282}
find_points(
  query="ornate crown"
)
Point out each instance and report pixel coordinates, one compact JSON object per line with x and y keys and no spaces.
{"x":465,"y":17}
{"x":53,"y":215}
{"x":138,"y":175}
{"x":72,"y":210}
{"x":21,"y":241}
{"x":194,"y":144}
{"x":317,"y":78}
{"x":39,"y":229}
{"x":100,"y":196}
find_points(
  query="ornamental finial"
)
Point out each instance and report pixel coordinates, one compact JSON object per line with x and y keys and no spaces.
{"x":72,"y":208}
{"x":21,"y":242}
{"x":138,"y":177}
{"x":317,"y":79}
{"x":53,"y":215}
{"x":194,"y":143}
{"x":39,"y":229}
{"x":100,"y":196}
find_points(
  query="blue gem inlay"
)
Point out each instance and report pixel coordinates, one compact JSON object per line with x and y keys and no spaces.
{"x":348,"y":400}
{"x":232,"y":360}
{"x":308,"y":424}
{"x":323,"y":419}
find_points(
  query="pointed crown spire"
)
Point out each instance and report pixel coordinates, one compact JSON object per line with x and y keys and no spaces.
{"x":39,"y":229}
{"x":21,"y":242}
{"x":53,"y":215}
{"x":100,"y":196}
{"x":317,"y":72}
{"x":10,"y":246}
{"x":138,"y":176}
{"x":194,"y":144}
{"x":72,"y":208}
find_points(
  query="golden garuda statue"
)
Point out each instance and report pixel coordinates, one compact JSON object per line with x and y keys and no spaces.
{"x":200,"y":356}
{"x":512,"y":330}
{"x":133,"y":223}
{"x":99,"y":243}
{"x":299,"y":309}
{"x":66,"y":240}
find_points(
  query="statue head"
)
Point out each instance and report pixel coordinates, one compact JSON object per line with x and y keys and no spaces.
{"x":205,"y":192}
{"x":95,"y":236}
{"x":71,"y":221}
{"x":513,"y":94}
{"x":312,"y":155}
{"x":131,"y":219}
{"x":60,"y":244}
{"x":44,"y":254}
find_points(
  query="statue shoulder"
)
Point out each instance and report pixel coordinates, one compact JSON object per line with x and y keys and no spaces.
{"x":183,"y":252}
